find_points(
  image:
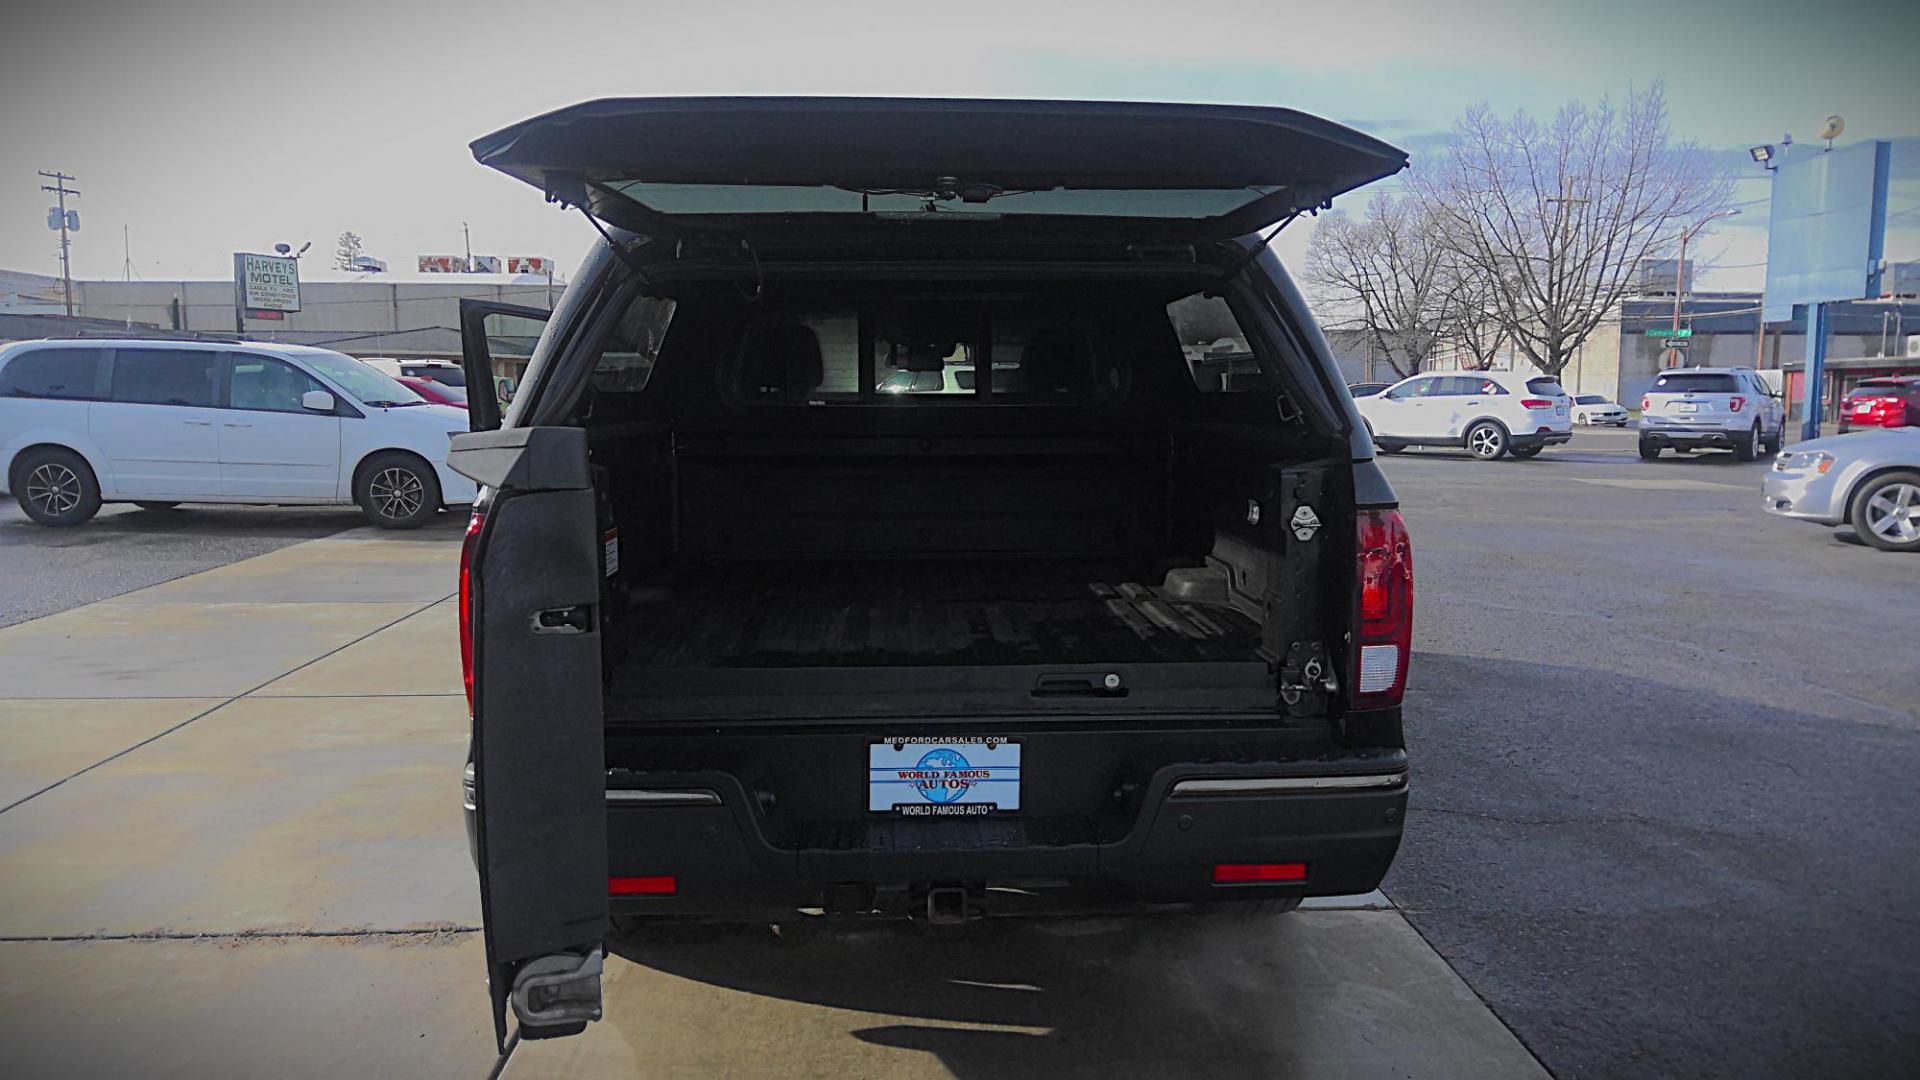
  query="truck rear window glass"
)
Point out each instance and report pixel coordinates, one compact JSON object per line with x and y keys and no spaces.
{"x":926,"y":353}
{"x":1217,"y":350}
{"x":61,"y":374}
{"x":1695,"y":382}
{"x":626,"y":360}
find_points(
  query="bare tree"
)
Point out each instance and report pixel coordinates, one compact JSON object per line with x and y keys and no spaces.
{"x":1385,"y":273}
{"x":1472,"y":322}
{"x":1555,"y":218}
{"x":348,"y":251}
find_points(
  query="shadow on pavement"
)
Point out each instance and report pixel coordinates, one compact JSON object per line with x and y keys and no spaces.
{"x":1134,"y":997}
{"x":118,"y":522}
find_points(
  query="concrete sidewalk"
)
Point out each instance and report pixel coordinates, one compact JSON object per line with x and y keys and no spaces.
{"x":231,"y":845}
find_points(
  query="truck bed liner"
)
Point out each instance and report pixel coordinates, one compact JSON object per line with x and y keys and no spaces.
{"x":942,"y":612}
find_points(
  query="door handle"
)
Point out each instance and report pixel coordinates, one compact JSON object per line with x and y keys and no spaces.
{"x":572,"y":620}
{"x":198,"y":423}
{"x":234,"y":423}
{"x":1473,"y":403}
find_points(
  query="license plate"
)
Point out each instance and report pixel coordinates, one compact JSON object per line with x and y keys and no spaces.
{"x":1559,"y":410}
{"x":1685,"y":406}
{"x":926,"y":776}
{"x":1863,"y":407}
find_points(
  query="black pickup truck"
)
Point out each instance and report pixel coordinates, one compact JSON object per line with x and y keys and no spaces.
{"x":922,"y":508}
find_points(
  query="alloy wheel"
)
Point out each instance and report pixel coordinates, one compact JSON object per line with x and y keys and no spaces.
{"x":1893,"y":514}
{"x":1484,"y":441}
{"x":54,"y":488}
{"x":396,"y":493}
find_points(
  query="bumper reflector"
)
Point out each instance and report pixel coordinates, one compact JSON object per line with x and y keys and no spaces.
{"x":1257,"y":873}
{"x":641,"y":886}
{"x":1379,"y":667}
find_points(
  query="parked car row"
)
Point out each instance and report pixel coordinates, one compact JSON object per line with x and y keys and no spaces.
{"x":157,"y":423}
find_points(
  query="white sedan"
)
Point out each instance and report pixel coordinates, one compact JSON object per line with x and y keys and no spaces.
{"x":1595,"y":409}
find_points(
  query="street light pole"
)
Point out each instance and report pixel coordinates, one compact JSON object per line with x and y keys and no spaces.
{"x":1680,"y":278}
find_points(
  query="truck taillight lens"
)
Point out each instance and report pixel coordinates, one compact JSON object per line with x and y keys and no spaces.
{"x":1384,"y":567}
{"x":467,"y":545}
{"x":1736,"y":402}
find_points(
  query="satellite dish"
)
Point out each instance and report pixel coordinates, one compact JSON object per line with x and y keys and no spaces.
{"x":1834,"y":126}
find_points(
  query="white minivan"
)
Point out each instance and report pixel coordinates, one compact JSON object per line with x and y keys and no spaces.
{"x":157,"y":423}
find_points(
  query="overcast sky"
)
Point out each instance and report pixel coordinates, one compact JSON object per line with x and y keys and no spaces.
{"x":217,"y":126}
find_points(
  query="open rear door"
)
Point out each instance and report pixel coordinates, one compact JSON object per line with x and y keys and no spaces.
{"x":530,"y":625}
{"x":496,"y":341}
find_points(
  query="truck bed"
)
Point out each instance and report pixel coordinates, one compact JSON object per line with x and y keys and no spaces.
{"x":921,"y":613}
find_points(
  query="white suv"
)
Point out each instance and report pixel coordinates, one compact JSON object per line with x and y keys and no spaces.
{"x":1491,"y":413}
{"x":1725,"y":407}
{"x":157,"y":423}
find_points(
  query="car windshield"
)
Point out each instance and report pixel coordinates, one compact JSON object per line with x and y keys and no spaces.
{"x":361,"y":382}
{"x":1590,"y":399}
{"x":1696,"y":382}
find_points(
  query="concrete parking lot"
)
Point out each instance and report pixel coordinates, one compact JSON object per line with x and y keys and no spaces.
{"x":1661,"y":825}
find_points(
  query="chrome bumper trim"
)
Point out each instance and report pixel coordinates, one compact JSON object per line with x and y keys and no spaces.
{"x":1280,"y":785}
{"x":663,"y":797}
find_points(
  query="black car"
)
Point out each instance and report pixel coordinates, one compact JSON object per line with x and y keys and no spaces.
{"x":1117,"y":620}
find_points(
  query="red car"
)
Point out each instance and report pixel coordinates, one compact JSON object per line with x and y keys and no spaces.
{"x":1886,"y":401}
{"x":437,"y":392}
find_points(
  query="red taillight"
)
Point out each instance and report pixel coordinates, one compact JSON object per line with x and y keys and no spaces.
{"x":660,"y":885}
{"x":1646,"y":404}
{"x":1256,"y":873}
{"x":1736,"y":402}
{"x":474,"y":524}
{"x":1535,"y":403}
{"x":1384,"y":565}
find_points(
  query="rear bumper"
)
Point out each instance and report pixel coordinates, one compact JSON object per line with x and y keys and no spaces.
{"x":1523,"y":440}
{"x":1721,"y":438}
{"x":1339,"y":816}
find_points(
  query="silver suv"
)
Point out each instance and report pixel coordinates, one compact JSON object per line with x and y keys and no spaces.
{"x":1696,"y":407}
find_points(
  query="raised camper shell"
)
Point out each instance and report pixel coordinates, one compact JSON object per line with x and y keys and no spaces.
{"x":910,"y":179}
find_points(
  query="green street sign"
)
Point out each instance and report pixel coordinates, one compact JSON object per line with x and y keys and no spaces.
{"x":1686,"y":332}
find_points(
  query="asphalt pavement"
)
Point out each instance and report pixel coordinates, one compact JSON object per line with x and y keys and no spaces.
{"x":125,"y":548}
{"x":1665,"y":748}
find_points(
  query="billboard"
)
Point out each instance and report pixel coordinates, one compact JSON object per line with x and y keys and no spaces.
{"x":266,"y":282}
{"x":1827,"y":231}
{"x":457,"y":264}
{"x":529,"y":264}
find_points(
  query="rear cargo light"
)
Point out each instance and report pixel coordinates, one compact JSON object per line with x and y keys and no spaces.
{"x":659,"y":885}
{"x":1736,"y":402}
{"x":467,"y":545}
{"x":1384,"y":567}
{"x":1258,"y":873}
{"x":1535,"y":403}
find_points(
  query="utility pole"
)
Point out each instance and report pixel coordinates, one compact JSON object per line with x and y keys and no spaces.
{"x":468,"y":234}
{"x":59,"y":188}
{"x":1680,"y":278}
